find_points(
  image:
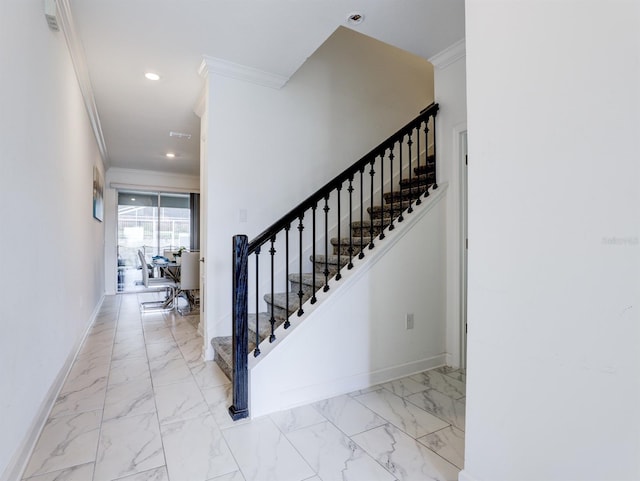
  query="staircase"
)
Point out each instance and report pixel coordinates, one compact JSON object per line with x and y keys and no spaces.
{"x":397,"y":203}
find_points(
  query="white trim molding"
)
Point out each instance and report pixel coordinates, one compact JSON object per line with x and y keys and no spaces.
{"x":17,"y":465}
{"x":79,"y":61}
{"x":225,"y":68}
{"x":449,"y":55}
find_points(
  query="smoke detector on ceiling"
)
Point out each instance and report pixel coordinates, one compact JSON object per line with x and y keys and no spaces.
{"x":51,"y":14}
{"x":355,"y":18}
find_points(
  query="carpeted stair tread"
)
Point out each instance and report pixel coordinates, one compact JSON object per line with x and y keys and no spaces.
{"x":280,"y":300}
{"x":395,"y":207}
{"x":344,"y":241}
{"x":378,"y":222}
{"x":264,"y":325}
{"x":417,"y":180}
{"x":307,"y":279}
{"x":332,"y":260}
{"x":424,"y":169}
{"x":223,"y":349}
{"x":404,"y":194}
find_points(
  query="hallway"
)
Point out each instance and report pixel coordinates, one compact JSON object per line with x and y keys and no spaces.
{"x":140,"y":405}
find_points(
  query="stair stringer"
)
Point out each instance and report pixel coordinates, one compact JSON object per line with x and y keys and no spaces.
{"x":354,"y":336}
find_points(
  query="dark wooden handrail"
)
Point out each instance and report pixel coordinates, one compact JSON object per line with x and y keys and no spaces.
{"x":333,"y":184}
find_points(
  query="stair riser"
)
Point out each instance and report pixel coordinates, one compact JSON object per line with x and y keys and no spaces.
{"x":424,"y":169}
{"x":378,"y":212}
{"x":222,"y":364}
{"x":366,"y":231}
{"x":344,"y":249}
{"x":307,"y":289}
{"x":405,"y":194}
{"x":332,"y":268}
{"x":280,"y":313}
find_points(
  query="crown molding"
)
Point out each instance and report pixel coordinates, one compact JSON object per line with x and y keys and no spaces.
{"x":449,"y":55}
{"x":224,"y":68}
{"x":79,"y":61}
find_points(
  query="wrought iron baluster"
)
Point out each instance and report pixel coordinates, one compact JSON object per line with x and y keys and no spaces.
{"x":300,"y":292}
{"x":372,"y":173}
{"x":339,"y":192}
{"x":419,"y":201}
{"x":314,"y":299}
{"x":272,"y":252}
{"x":391,"y":157}
{"x":361,"y":254}
{"x":410,"y":143}
{"x":287,"y":228}
{"x":382,"y":203}
{"x":401,"y":217}
{"x":350,"y":190}
{"x":256,"y":351}
{"x":326,"y":243}
{"x":426,"y":156}
{"x":435,"y":161}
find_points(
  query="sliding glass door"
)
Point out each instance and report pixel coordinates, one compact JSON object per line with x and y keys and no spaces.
{"x":150,"y":222}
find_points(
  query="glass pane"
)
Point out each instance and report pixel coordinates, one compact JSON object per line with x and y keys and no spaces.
{"x":174,"y":222}
{"x":142,"y":225}
{"x":137,"y":230}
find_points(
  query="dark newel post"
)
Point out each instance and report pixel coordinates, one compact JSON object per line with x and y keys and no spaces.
{"x":240,"y":407}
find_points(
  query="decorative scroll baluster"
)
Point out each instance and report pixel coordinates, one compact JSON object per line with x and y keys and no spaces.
{"x":361,"y":254}
{"x":256,"y":351}
{"x":435,"y":164}
{"x":326,"y":244}
{"x":410,"y":143}
{"x":300,"y":292}
{"x":350,"y":190}
{"x":426,"y":156}
{"x":401,"y":217}
{"x":372,"y":173}
{"x":287,"y":228}
{"x":240,"y":407}
{"x":419,"y":201}
{"x":382,"y":203}
{"x":314,"y":299}
{"x":272,"y":252}
{"x":391,"y":157}
{"x":338,"y":275}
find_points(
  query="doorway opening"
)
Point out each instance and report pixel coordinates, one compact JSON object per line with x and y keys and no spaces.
{"x":151,"y":222}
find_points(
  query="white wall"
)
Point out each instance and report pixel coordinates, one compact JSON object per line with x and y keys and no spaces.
{"x":52,"y":248}
{"x":135,"y":180}
{"x":553,"y":387}
{"x":269,"y":149}
{"x":359,"y":338}
{"x":450,"y":91}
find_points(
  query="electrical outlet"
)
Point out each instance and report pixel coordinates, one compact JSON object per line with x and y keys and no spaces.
{"x":242,"y":217}
{"x":409,"y":320}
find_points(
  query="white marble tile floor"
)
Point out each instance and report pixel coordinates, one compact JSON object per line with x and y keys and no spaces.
{"x":140,"y":404}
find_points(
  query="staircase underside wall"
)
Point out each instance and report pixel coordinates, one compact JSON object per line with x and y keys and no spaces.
{"x":358,"y":338}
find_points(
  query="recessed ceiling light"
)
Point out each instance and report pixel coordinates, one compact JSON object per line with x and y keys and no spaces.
{"x":133,"y":199}
{"x":152,"y":76}
{"x":355,"y":18}
{"x":171,"y":155}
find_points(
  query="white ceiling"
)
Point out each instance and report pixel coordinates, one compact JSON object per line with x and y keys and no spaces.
{"x":123,"y":39}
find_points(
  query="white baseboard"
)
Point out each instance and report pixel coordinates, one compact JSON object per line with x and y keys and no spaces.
{"x":18,"y":462}
{"x":317,"y":392}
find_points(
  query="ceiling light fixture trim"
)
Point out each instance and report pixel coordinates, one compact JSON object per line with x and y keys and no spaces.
{"x":355,"y":18}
